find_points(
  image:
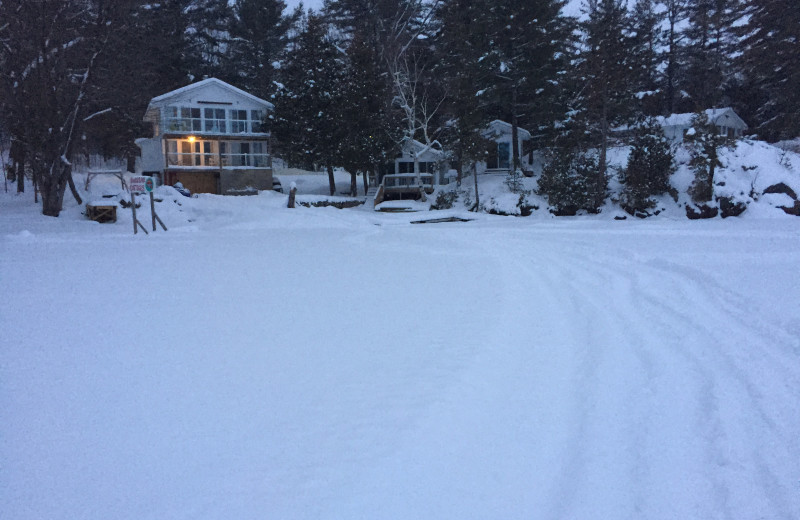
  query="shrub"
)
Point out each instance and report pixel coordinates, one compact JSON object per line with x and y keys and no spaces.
{"x":650,"y":164}
{"x":570,"y":183}
{"x":704,"y":144}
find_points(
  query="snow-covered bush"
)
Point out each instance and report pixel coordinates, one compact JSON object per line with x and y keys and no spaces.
{"x":569,"y":181}
{"x":650,"y":165}
{"x":704,"y":144}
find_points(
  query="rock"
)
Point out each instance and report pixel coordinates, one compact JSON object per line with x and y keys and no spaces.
{"x":781,"y":188}
{"x":729,"y":208}
{"x":702,"y":211}
{"x":792,"y":210}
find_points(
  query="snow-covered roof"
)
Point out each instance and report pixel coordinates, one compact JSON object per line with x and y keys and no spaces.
{"x":204,"y":83}
{"x":713,"y":114}
{"x":422,"y":147}
{"x":498,"y":127}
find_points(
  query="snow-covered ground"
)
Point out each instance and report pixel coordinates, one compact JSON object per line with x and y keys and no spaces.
{"x":261,"y":362}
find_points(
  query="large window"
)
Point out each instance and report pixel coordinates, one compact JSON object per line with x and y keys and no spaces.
{"x":182,"y":119}
{"x":238,"y":121}
{"x":184,"y":152}
{"x":408,"y":167}
{"x":214,"y":120}
{"x":257,"y":121}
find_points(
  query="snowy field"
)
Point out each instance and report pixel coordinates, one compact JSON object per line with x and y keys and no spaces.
{"x":259,"y":362}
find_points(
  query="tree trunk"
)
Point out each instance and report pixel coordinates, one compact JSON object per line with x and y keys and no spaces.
{"x":331,"y":181}
{"x":52,"y":194}
{"x":366,"y":182}
{"x":20,"y":172}
{"x":599,"y":189}
{"x":72,"y":188}
{"x":514,"y":132}
{"x":353,"y":184}
{"x":459,"y":164}
{"x":131,"y":163}
{"x":477,"y":197}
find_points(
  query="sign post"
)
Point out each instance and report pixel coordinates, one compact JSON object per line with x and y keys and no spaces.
{"x":142,"y":184}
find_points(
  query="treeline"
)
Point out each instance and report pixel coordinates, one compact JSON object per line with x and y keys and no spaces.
{"x":355,"y":79}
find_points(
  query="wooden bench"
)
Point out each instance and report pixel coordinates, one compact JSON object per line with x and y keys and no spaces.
{"x":100,"y":212}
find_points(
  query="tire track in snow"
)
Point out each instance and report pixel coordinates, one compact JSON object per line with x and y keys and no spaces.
{"x":728,"y":380}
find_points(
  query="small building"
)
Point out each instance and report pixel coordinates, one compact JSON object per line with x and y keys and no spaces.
{"x":398,"y":180}
{"x":500,"y":158}
{"x":725,"y":120}
{"x":210,"y":136}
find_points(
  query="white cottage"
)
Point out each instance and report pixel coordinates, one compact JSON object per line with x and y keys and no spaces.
{"x":725,"y":120}
{"x":500,"y":158}
{"x":210,"y":136}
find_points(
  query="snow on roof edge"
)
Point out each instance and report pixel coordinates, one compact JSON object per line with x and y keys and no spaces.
{"x":204,"y":82}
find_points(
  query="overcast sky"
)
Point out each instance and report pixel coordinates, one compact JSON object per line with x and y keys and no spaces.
{"x":315,"y":4}
{"x":572,"y":8}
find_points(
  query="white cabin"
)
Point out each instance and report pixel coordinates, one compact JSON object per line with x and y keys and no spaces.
{"x":501,"y":153}
{"x":725,"y":120}
{"x":210,"y":136}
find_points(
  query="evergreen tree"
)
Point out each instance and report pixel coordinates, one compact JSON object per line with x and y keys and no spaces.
{"x":372,"y":126}
{"x":675,"y":13}
{"x":259,"y":36}
{"x":606,"y":75}
{"x":460,"y":49}
{"x":705,"y":145}
{"x":569,"y":181}
{"x":650,"y":165}
{"x":709,"y":46}
{"x":770,"y":61}
{"x":307,"y":122}
{"x":207,"y":36}
{"x":647,"y":41}
{"x":525,"y":56}
{"x":153,"y":44}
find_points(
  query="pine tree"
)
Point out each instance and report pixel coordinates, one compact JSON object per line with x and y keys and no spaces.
{"x":259,"y":36}
{"x":606,"y":74}
{"x":650,"y":164}
{"x":770,"y":61}
{"x":675,"y":13}
{"x":709,"y":46}
{"x":460,"y":49}
{"x":647,"y":41}
{"x":372,"y":128}
{"x":153,"y":44}
{"x":569,"y":181}
{"x":307,"y":122}
{"x":526,"y":50}
{"x":207,"y":36}
{"x":705,"y":145}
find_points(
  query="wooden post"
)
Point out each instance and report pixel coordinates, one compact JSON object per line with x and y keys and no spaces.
{"x":133,"y":207}
{"x":153,"y":210}
{"x":154,"y":215}
{"x":292,"y":193}
{"x":135,"y":220}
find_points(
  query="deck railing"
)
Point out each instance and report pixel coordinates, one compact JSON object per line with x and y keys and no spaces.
{"x":407,"y":181}
{"x":212,"y":160}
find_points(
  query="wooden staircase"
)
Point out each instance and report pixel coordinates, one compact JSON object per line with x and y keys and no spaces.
{"x":375,"y":194}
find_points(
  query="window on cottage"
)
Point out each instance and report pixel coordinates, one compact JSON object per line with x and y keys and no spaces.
{"x":504,"y":155}
{"x":238,"y":121}
{"x":214,"y":120}
{"x":257,"y":121}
